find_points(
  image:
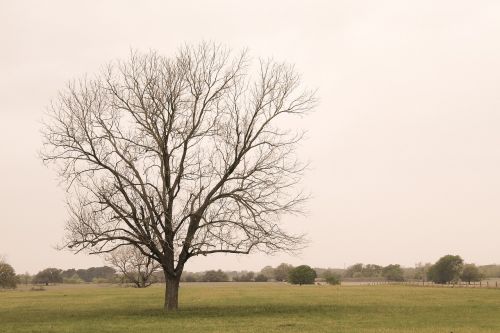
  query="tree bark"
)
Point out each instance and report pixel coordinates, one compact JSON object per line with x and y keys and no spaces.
{"x":171,"y":293}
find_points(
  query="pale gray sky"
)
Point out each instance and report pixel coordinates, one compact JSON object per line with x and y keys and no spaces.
{"x":404,"y":147}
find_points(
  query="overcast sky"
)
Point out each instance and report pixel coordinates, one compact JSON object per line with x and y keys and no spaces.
{"x":404,"y":146}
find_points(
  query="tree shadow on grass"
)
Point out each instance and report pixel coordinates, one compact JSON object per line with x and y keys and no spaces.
{"x":136,"y":311}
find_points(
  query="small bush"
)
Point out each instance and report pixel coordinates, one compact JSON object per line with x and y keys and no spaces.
{"x":244,"y":277}
{"x":191,"y":278}
{"x":100,"y":280}
{"x":75,"y":279}
{"x":214,"y":276}
{"x":332,"y":279}
{"x":261,"y":278}
{"x":393,"y":273}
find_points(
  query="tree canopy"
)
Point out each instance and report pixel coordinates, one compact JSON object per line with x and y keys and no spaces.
{"x":471,"y":273}
{"x":332,"y":278}
{"x":302,"y":275}
{"x":8,"y":277}
{"x":215,"y":276}
{"x":281,"y":272}
{"x":393,"y":273}
{"x":447,"y":269}
{"x":133,"y":265}
{"x":48,"y":276}
{"x":363,"y":271}
{"x":181,"y":156}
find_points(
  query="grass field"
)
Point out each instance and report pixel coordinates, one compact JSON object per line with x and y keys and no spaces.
{"x":252,"y":307}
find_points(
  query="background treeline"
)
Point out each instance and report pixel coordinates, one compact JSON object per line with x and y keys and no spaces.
{"x":54,"y":275}
{"x":447,"y":269}
{"x":356,"y":272}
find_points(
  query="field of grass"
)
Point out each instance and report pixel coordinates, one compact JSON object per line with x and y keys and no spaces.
{"x":252,"y":307}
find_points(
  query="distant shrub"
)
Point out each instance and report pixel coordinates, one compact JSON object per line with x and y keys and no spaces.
{"x":363,"y":271}
{"x":490,"y":271}
{"x":48,"y":276}
{"x":261,"y":278}
{"x":268,"y":271}
{"x":8,"y":278}
{"x":75,"y":279}
{"x":447,"y":269}
{"x":24,"y":278}
{"x":191,"y":278}
{"x":244,"y":277}
{"x":332,"y":279}
{"x":393,"y":273}
{"x":471,"y":273}
{"x":214,"y":276}
{"x":302,"y":275}
{"x":281,"y":272}
{"x":100,"y":280}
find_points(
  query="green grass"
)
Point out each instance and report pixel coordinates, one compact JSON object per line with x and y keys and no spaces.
{"x":252,"y":307}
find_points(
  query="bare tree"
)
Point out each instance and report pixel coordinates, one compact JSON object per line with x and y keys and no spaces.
{"x":180,"y":157}
{"x":134,"y":265}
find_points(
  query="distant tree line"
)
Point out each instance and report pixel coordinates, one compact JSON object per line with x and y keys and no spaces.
{"x":448,"y":269}
{"x":268,"y":273}
{"x":282,"y":273}
{"x":391,"y":272}
{"x":451,"y":269}
{"x":49,"y":276}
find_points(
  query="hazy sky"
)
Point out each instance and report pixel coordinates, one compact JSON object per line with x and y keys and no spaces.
{"x":404,"y":146}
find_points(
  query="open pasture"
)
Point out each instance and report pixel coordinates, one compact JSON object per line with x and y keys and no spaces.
{"x":251,"y":307}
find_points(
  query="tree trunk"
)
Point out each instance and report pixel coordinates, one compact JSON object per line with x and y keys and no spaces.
{"x":171,"y":293}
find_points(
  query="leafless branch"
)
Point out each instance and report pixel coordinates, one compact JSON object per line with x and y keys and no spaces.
{"x":180,"y":156}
